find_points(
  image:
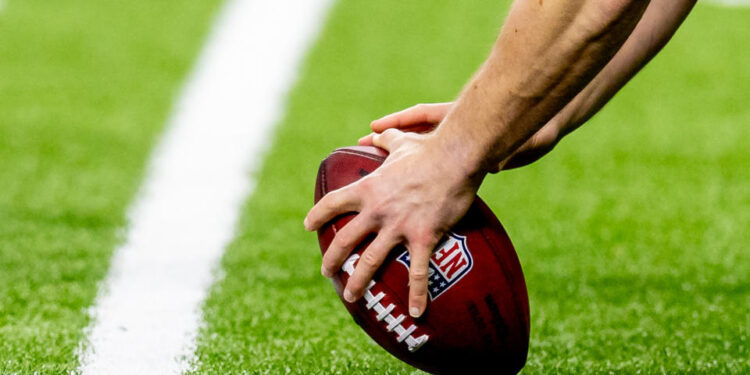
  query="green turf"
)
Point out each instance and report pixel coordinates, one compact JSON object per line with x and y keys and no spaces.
{"x":85,"y":87}
{"x":633,"y":234}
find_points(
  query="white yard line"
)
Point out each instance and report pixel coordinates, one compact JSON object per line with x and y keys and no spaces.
{"x":148,"y":313}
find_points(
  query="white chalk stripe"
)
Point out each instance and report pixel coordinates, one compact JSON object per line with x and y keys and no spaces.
{"x":148,"y":312}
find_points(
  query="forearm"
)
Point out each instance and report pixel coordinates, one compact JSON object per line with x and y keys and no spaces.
{"x":658,"y":24}
{"x":545,"y":54}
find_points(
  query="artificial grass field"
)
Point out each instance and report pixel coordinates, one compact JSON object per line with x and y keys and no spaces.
{"x":633,"y":233}
{"x":85,"y":87}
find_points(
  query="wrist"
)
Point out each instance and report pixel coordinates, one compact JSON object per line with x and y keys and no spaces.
{"x":458,"y":157}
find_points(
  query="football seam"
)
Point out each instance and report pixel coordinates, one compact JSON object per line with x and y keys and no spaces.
{"x":360,"y":153}
{"x":323,"y":178}
{"x":386,"y":290}
{"x":385,"y":313}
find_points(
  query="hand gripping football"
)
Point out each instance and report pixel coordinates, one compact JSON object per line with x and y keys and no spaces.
{"x":477,"y":319}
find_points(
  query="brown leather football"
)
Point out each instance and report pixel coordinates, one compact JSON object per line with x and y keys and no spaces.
{"x":477,"y":319}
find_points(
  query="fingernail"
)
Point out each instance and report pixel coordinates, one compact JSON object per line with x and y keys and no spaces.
{"x":348,"y":296}
{"x":414,"y":312}
{"x":307,"y":226}
{"x":325,"y":272}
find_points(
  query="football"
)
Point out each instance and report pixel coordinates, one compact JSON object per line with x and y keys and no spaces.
{"x":477,"y":318}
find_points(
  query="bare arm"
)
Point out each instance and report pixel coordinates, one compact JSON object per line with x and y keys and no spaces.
{"x":658,"y":24}
{"x":660,"y":21}
{"x":545,"y":54}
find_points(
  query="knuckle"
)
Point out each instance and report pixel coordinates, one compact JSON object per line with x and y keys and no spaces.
{"x":428,"y":239}
{"x":418,"y":274}
{"x":423,"y":113}
{"x":424,"y":240}
{"x":390,"y":132}
{"x":334,"y":199}
{"x":369,"y":260}
{"x":343,"y":240}
{"x":343,"y":197}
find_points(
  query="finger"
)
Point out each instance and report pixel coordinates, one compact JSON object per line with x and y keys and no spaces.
{"x":388,"y":139}
{"x":419,"y":114}
{"x":368,"y":264}
{"x":418,"y":278}
{"x":366,"y":140}
{"x":331,"y":205}
{"x":400,"y":119}
{"x":346,"y":239}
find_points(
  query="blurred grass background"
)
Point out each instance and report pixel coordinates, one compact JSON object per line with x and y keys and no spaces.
{"x":633,"y":233}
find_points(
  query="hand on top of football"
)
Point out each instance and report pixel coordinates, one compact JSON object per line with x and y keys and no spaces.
{"x":422,"y":118}
{"x":414,"y":197}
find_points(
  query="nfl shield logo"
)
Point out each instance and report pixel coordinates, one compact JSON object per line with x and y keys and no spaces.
{"x":449,"y":262}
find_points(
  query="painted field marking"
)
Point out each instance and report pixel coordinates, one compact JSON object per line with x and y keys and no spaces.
{"x":148,"y":313}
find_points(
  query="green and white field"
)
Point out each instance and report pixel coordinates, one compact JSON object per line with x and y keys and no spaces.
{"x":634,"y":233}
{"x":85,"y":88}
